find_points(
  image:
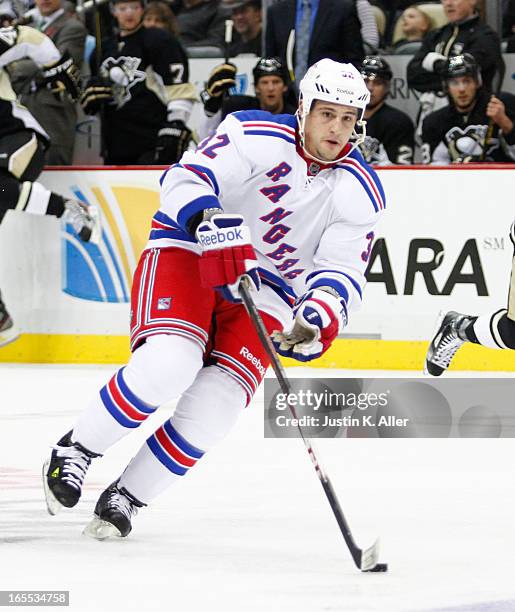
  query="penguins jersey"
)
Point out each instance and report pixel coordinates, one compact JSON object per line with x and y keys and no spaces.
{"x":17,"y":43}
{"x":450,"y":136}
{"x":389,"y":139}
{"x":311,"y":225}
{"x":148,"y":70}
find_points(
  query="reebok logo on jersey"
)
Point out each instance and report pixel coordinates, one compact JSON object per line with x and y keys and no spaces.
{"x":253,"y":360}
{"x":221,"y":237}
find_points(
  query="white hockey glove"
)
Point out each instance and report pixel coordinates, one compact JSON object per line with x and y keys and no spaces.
{"x":227,"y":255}
{"x":319,"y":317}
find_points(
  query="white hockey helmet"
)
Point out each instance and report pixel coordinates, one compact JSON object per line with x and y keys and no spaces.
{"x":337,"y":83}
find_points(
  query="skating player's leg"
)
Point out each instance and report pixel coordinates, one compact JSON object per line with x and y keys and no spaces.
{"x":494,"y":330}
{"x":204,"y":415}
{"x":158,"y":371}
{"x":20,"y":164}
{"x":168,"y":336}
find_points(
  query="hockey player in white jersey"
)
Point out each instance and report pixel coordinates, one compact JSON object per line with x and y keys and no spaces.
{"x":494,"y":330}
{"x":287,"y":201}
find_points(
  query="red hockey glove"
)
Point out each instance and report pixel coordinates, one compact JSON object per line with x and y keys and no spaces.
{"x":319,"y":316}
{"x":227,"y":255}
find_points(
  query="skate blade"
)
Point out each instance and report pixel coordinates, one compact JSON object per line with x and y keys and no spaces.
{"x":9,"y":335}
{"x":99,"y":529}
{"x":52,"y":503}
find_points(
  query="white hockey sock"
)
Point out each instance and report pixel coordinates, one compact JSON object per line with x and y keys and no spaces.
{"x":204,"y":415}
{"x":33,"y":198}
{"x":486,"y":328}
{"x":158,"y":371}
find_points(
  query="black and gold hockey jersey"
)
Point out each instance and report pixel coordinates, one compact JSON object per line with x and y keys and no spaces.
{"x":389,"y":139}
{"x":148,"y":72}
{"x":450,"y":136}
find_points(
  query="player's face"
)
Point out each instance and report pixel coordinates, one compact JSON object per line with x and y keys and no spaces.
{"x":246,"y":19}
{"x":270,"y":91}
{"x":378,"y":89}
{"x":462,"y":91}
{"x":456,"y":10}
{"x":47,"y":7}
{"x":328,"y":128}
{"x":128,"y":15}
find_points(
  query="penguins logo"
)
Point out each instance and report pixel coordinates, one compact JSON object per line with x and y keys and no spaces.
{"x":369,"y":148}
{"x":467,"y":144}
{"x":124,"y":75}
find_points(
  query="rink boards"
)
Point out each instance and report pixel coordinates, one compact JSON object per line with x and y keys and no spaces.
{"x":443,"y":245}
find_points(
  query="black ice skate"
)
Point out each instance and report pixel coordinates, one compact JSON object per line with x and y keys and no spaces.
{"x":84,"y":219}
{"x":64,"y":472}
{"x":113,"y":513}
{"x":445,"y":342}
{"x":8,"y":331}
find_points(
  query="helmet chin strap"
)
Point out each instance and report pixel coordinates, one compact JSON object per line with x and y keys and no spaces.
{"x":355,"y":140}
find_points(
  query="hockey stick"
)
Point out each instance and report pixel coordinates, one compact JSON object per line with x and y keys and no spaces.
{"x":491,"y":124}
{"x":365,"y":560}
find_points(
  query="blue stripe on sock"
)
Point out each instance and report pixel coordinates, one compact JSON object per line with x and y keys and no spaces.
{"x":114,"y":411}
{"x":129,"y":395}
{"x":179,"y":441}
{"x":165,"y":459}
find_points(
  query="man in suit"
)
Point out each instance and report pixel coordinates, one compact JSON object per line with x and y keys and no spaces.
{"x":57,"y":115}
{"x":301,"y":32}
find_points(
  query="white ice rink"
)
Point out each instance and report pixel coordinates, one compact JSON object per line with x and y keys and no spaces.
{"x":249,"y":529}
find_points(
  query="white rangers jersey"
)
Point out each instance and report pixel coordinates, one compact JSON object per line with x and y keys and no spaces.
{"x":311,"y":225}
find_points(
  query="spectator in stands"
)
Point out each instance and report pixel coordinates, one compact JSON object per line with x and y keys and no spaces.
{"x":57,"y":116}
{"x":415,"y":24}
{"x":142,"y":91}
{"x":202,"y":23}
{"x":270,"y":84}
{"x":247,"y":19}
{"x":158,"y":14}
{"x":463,"y":34}
{"x":475,"y":126}
{"x":301,"y":32}
{"x":389,"y":138}
{"x":369,"y":32}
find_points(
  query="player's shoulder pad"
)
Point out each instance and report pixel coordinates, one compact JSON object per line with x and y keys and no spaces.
{"x":264,"y":124}
{"x":367,"y":177}
{"x":260,"y":115}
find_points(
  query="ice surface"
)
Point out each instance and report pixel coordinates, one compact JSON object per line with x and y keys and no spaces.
{"x":249,"y":529}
